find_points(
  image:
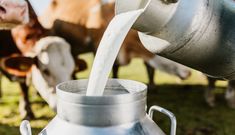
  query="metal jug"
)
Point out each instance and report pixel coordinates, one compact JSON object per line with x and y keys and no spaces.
{"x":197,"y":33}
{"x":121,"y":111}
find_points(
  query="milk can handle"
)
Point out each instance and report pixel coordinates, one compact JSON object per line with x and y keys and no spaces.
{"x":166,"y":112}
{"x":25,"y":128}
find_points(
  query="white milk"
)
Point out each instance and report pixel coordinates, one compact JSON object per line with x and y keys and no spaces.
{"x":108,"y":50}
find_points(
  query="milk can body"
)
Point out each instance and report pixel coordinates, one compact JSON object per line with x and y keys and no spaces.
{"x":121,"y":111}
{"x":197,"y":33}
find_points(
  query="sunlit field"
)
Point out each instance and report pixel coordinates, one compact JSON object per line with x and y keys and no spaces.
{"x":184,"y":98}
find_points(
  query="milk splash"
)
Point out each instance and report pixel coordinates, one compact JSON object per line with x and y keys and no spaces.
{"x":108,"y":50}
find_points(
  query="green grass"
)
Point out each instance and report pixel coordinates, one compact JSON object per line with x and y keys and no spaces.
{"x":183,"y":98}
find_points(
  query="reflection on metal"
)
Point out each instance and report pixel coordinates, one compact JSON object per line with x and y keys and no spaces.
{"x":121,"y":111}
{"x":166,"y":112}
{"x":196,"y":33}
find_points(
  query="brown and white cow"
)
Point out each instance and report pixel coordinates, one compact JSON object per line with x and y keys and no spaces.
{"x":54,"y":61}
{"x":12,"y":13}
{"x":86,"y":13}
{"x":51,"y":56}
{"x":65,"y":20}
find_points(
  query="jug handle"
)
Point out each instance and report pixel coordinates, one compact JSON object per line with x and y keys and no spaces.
{"x":166,"y":112}
{"x":25,"y":128}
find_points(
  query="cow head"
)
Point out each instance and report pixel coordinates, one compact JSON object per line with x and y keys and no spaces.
{"x":13,"y":12}
{"x":54,"y":59}
{"x":25,"y":36}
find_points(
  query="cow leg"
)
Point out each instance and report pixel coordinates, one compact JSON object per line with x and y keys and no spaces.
{"x":151,"y":72}
{"x":0,"y":85}
{"x":230,"y":94}
{"x":209,"y":95}
{"x":115,"y":70}
{"x":80,"y":65}
{"x":74,"y":75}
{"x":24,"y":105}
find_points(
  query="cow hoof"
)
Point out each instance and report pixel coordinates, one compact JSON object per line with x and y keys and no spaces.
{"x":27,"y":115}
{"x":26,"y":112}
{"x":210,"y":98}
{"x":230,"y":97}
{"x":152,"y":86}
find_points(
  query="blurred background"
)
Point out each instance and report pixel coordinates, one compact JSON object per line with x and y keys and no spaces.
{"x":59,"y":43}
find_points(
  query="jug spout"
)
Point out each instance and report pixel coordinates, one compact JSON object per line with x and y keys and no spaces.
{"x":159,"y":11}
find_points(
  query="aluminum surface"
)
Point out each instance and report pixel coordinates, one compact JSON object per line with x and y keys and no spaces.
{"x":197,"y":33}
{"x":121,"y":111}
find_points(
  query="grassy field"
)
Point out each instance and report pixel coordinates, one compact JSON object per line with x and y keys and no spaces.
{"x":183,"y":98}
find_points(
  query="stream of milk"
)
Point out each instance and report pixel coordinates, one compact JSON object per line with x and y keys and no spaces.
{"x":108,"y":50}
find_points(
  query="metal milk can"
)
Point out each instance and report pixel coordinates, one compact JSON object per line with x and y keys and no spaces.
{"x":121,"y":111}
{"x":197,"y":33}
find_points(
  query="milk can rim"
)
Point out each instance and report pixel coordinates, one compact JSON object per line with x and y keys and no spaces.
{"x":77,"y":98}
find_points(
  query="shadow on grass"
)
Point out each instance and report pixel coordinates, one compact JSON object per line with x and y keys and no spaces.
{"x":193,"y":115}
{"x":46,"y":118}
{"x":178,"y":95}
{"x":14,"y":130}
